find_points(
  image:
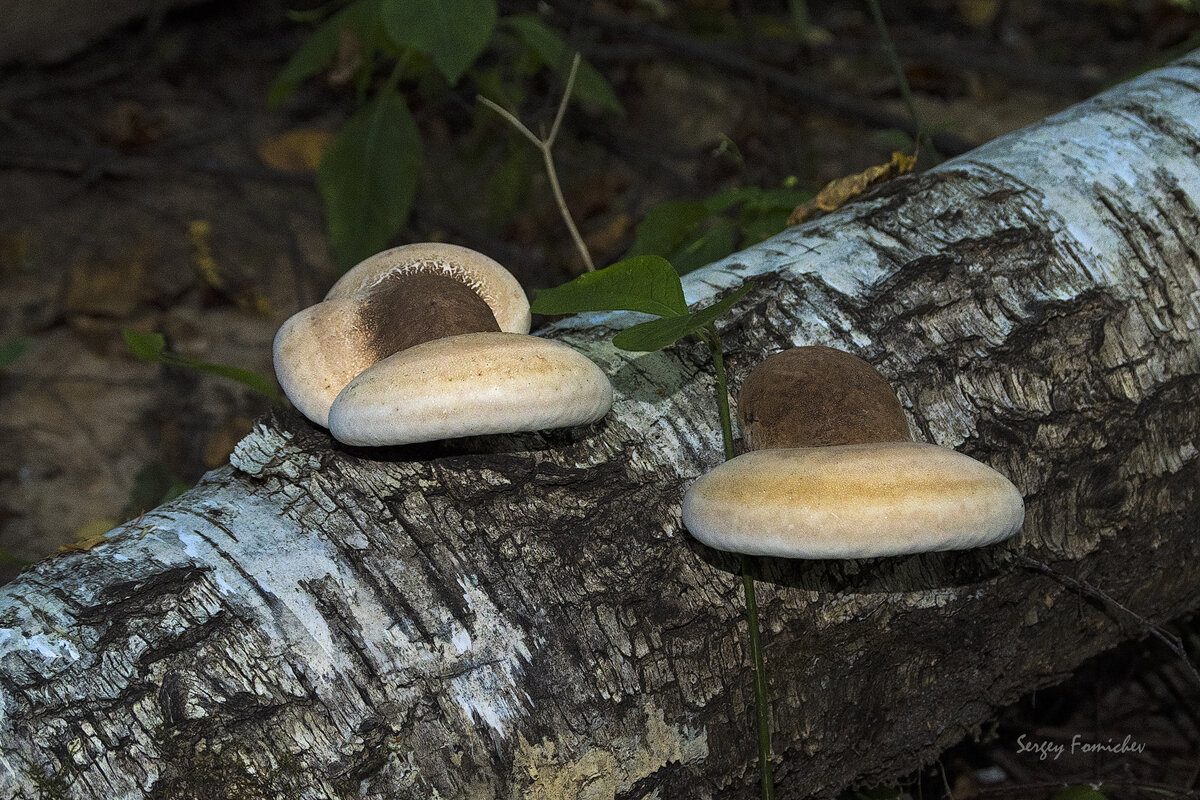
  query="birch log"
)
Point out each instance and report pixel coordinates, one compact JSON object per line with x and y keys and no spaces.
{"x":524,"y":617}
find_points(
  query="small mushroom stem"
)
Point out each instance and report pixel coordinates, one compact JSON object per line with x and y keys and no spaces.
{"x":712,"y":339}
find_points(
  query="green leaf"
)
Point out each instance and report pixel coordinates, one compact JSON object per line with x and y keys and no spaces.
{"x":243,"y":376}
{"x":717,"y":241}
{"x":11,"y":350}
{"x":770,"y":200}
{"x":321,"y":47}
{"x":453,"y":32}
{"x":723,"y":200}
{"x":763,"y":227}
{"x":153,"y":485}
{"x":643,"y":283}
{"x":152,"y":347}
{"x":590,"y":86}
{"x":668,"y":227}
{"x":368,"y":178}
{"x":8,"y":558}
{"x":145,"y":346}
{"x":659,"y":333}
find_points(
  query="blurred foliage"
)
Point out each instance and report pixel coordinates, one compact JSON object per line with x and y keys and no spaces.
{"x":369,"y":175}
{"x":152,"y":347}
{"x":692,"y":233}
{"x":648,"y":284}
{"x":153,"y":485}
{"x":12,"y":349}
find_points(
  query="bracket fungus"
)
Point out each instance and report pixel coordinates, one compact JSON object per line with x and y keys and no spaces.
{"x":430,"y":341}
{"x":834,"y":473}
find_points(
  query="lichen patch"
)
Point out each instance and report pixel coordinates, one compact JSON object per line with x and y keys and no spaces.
{"x":540,"y":772}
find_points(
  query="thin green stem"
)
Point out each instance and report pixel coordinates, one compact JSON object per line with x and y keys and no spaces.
{"x":760,"y":685}
{"x":905,"y":92}
{"x":712,"y":338}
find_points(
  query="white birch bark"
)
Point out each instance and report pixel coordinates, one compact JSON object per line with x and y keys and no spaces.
{"x":525,"y":617}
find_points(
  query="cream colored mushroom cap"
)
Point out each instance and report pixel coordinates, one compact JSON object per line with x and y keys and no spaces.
{"x":316,"y":352}
{"x":852,"y":501}
{"x":496,"y":285}
{"x":469,"y":385}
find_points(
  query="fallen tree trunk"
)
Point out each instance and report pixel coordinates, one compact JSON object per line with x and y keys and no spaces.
{"x":524,"y":617}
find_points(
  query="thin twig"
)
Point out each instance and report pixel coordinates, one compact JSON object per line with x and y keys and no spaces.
{"x":562,"y":106}
{"x":1173,"y":642}
{"x":906,"y":94}
{"x":106,"y":163}
{"x":512,"y":119}
{"x":546,"y":146}
{"x":784,"y":82}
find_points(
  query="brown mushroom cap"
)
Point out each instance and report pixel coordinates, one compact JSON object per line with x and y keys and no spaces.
{"x":390,"y":302}
{"x":406,"y":310}
{"x":816,"y":396}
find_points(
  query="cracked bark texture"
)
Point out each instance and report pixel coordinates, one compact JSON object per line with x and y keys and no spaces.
{"x":524,"y":617}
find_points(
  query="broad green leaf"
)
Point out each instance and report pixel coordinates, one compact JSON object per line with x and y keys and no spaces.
{"x":590,"y":86}
{"x":321,"y":47}
{"x":152,"y":347}
{"x":718,"y":240}
{"x":145,"y":346}
{"x":453,"y":32}
{"x":153,"y":485}
{"x":11,"y":350}
{"x":659,"y":333}
{"x":243,"y":376}
{"x":667,"y":227}
{"x":368,"y":177}
{"x":766,"y":200}
{"x":508,"y":184}
{"x":723,"y":200}
{"x":762,"y":227}
{"x":643,"y":283}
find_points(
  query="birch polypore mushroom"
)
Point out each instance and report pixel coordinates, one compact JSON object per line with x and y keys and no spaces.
{"x":838,"y":475}
{"x":390,"y":302}
{"x":467,"y":385}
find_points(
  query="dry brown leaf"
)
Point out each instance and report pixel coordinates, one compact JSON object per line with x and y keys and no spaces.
{"x":297,"y":151}
{"x":83,"y":545}
{"x":222,"y":441}
{"x":348,"y":60}
{"x":840,"y":191}
{"x":978,"y":13}
{"x":610,"y":236}
{"x":88,"y":535}
{"x":111,"y":288}
{"x":248,"y":298}
{"x":15,"y":247}
{"x":131,"y":126}
{"x":199,"y":234}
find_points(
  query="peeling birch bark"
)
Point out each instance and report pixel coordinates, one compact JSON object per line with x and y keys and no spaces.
{"x":524,"y":617}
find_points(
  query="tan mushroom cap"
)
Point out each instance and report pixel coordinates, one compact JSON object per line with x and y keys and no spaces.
{"x":387,"y":303}
{"x":470,"y":385}
{"x":496,"y":285}
{"x":852,"y":501}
